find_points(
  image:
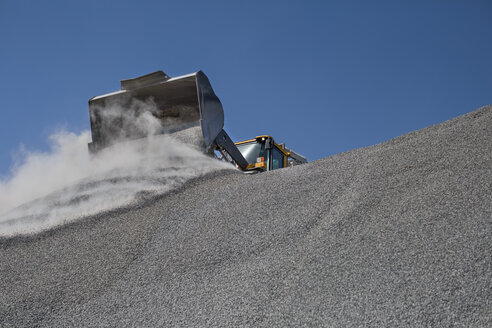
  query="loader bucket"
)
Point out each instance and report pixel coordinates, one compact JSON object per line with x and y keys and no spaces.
{"x":178,"y":104}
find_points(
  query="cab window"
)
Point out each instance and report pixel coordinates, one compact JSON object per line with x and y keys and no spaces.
{"x":251,"y":151}
{"x":277,"y":159}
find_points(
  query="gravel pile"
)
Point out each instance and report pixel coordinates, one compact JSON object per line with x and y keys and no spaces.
{"x":393,"y":235}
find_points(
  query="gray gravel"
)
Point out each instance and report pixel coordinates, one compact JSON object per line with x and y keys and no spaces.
{"x":393,"y":235}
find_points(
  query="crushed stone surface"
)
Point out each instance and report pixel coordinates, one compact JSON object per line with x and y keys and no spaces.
{"x":393,"y":235}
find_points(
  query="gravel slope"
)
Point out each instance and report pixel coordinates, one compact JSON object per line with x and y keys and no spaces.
{"x":397,"y":234}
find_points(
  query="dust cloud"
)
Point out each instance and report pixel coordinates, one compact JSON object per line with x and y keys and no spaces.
{"x":67,"y":182}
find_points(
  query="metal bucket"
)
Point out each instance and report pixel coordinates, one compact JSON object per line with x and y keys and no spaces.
{"x":156,"y":104}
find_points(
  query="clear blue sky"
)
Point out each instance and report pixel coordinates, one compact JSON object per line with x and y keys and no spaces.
{"x":322,"y":76}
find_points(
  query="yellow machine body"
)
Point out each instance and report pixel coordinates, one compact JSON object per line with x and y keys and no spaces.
{"x":263,"y":153}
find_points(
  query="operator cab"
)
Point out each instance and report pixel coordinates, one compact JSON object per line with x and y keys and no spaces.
{"x":263,"y":153}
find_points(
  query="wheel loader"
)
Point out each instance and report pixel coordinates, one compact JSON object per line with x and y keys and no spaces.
{"x":180,"y":104}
